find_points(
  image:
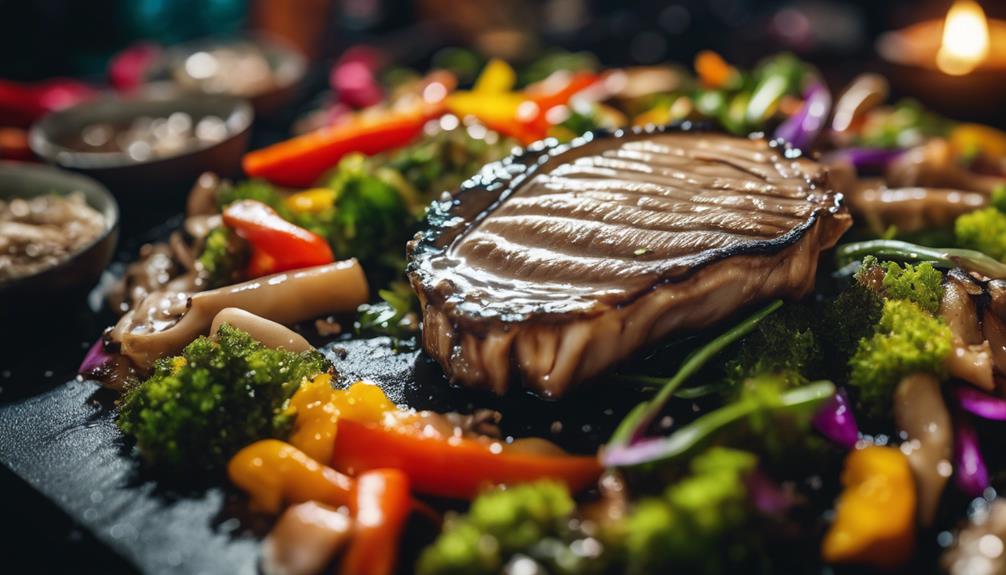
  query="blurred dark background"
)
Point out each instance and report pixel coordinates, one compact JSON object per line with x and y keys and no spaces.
{"x":45,"y":38}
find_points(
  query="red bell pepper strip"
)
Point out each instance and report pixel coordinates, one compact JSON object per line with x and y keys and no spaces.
{"x":300,"y":161}
{"x":21,"y":104}
{"x":277,"y":245}
{"x":452,"y":467}
{"x":577,"y":83}
{"x":380,"y":505}
{"x":545,"y":102}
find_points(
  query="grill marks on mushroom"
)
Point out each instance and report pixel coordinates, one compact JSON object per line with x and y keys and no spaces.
{"x":552,"y":266}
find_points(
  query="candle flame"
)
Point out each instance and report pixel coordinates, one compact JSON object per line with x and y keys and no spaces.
{"x":965,"y":39}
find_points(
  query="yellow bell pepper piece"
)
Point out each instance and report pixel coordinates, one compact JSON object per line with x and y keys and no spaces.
{"x":318,"y":407}
{"x":311,"y":201}
{"x":363,"y":402}
{"x":501,"y":107}
{"x":316,"y":418}
{"x":968,"y":139}
{"x":875,"y":515}
{"x":497,"y":76}
{"x":272,"y":473}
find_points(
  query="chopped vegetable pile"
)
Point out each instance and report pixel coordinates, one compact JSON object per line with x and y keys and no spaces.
{"x":854,"y":426}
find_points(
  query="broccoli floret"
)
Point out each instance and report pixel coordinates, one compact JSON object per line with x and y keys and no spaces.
{"x":784,"y":342}
{"x":907,"y":340}
{"x":370,"y":215}
{"x":223,"y":257}
{"x":442,"y":161}
{"x":369,"y":219}
{"x":848,"y":318}
{"x":998,"y":199}
{"x":690,"y":526}
{"x":199,"y":408}
{"x":921,"y":284}
{"x":983,"y":230}
{"x":499,"y":524}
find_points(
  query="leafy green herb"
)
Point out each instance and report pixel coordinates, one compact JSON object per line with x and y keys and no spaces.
{"x":640,"y":417}
{"x":394,"y":316}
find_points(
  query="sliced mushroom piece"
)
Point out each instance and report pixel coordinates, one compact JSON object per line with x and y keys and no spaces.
{"x":932,"y":165}
{"x":165,"y":325}
{"x":866,"y":92}
{"x":997,"y":297}
{"x":910,"y":209}
{"x":995,"y":333}
{"x":182,"y":252}
{"x":971,"y":359}
{"x":973,"y":364}
{"x":920,"y":412}
{"x":305,"y":539}
{"x":202,"y":198}
{"x":270,"y":333}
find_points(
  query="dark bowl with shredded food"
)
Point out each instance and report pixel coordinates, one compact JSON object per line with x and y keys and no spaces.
{"x":145,"y":171}
{"x":58,"y":232}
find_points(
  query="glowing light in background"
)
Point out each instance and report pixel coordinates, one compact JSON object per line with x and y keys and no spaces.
{"x":965,"y":39}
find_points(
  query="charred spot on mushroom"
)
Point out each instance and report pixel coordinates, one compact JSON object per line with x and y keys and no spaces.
{"x":554,"y":264}
{"x":975,"y":310}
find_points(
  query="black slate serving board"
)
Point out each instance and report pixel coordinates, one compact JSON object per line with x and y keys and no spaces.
{"x":64,"y":444}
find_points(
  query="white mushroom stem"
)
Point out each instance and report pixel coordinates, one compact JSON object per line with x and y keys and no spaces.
{"x":286,"y":298}
{"x":305,"y":539}
{"x":920,"y":412}
{"x":268,"y":332}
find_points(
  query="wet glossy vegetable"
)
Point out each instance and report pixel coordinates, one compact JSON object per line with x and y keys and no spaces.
{"x":875,"y":515}
{"x":380,"y":505}
{"x":451,"y":466}
{"x":274,"y":473}
{"x":277,"y":244}
{"x":301,"y":161}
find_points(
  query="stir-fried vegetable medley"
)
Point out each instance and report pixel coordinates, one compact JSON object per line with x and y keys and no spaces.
{"x":838,"y":428}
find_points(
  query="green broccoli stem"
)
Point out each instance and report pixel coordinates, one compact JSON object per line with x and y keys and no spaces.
{"x":692,"y":435}
{"x":637,"y":420}
{"x":970,"y":260}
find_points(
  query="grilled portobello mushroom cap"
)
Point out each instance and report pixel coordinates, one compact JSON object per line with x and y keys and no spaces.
{"x":554,"y":264}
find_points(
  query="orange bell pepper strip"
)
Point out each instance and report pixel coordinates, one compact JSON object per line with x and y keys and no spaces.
{"x":713,"y":70}
{"x":546,"y":101}
{"x":453,"y":467}
{"x":578,"y":82}
{"x":277,"y":245}
{"x":273,"y":472}
{"x":302,"y":160}
{"x":380,"y":505}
